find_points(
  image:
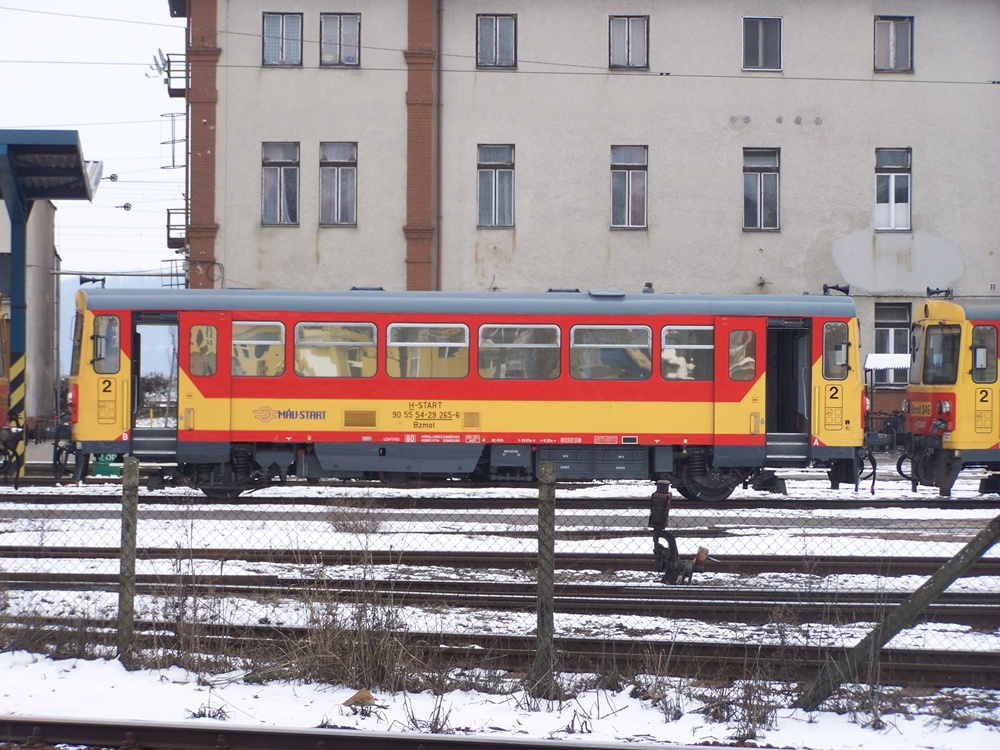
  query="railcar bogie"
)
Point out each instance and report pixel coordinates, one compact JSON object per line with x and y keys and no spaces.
{"x":706,"y":392}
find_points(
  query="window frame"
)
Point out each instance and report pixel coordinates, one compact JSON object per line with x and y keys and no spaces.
{"x":533,"y":346}
{"x":491,"y":59}
{"x":578,"y":350}
{"x":335,"y":171}
{"x":624,"y":177}
{"x":762,"y":23}
{"x":342,"y":60}
{"x":371,"y":344}
{"x":892,"y":64}
{"x":890,"y":175}
{"x":759,"y":173}
{"x":489,"y":181}
{"x":280,"y":341}
{"x":988,"y":374}
{"x":284,"y":169}
{"x":629,"y":63}
{"x":283,"y":41}
{"x":107,"y":344}
{"x":707,"y":374}
{"x":463,"y":345}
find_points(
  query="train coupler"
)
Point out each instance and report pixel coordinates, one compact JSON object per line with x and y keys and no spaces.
{"x":767,"y":481}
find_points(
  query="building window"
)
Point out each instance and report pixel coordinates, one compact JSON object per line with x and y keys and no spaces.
{"x":280,"y":183}
{"x":496,"y":41}
{"x":762,"y":44}
{"x":893,"y":44}
{"x":629,"y":41}
{"x":496,"y":186}
{"x":282,"y":38}
{"x":628,"y":186}
{"x":892,"y":188}
{"x":760,"y":188}
{"x":340,"y":39}
{"x":338,"y":183}
{"x":892,"y":336}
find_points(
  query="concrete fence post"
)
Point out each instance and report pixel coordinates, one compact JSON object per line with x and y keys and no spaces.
{"x":126,"y":574}
{"x":543,"y":685}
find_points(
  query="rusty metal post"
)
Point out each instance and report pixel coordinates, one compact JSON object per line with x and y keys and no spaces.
{"x":542,"y":683}
{"x":126,"y":574}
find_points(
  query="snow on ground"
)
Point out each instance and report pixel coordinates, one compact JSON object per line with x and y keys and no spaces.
{"x":36,"y":686}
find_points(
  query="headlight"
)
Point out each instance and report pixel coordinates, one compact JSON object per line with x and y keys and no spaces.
{"x":905,"y":406}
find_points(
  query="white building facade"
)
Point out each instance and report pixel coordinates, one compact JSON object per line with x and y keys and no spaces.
{"x":723,"y":146}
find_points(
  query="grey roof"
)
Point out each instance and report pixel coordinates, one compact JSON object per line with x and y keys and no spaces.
{"x":552,"y":303}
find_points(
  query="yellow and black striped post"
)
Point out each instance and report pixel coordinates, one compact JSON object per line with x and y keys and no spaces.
{"x":16,"y":411}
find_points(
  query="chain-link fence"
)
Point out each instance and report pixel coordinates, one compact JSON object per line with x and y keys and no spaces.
{"x":813,"y":567}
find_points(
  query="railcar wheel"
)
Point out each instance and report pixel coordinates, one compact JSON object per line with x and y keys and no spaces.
{"x":704,"y":494}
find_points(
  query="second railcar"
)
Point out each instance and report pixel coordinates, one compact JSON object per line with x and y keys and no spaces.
{"x":951,"y":417}
{"x":704,"y":391}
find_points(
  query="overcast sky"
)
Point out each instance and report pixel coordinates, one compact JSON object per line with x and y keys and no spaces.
{"x":87,"y":66}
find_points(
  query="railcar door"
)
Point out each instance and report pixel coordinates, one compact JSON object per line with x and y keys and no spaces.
{"x":740,"y":391}
{"x":153,"y":386}
{"x":204,"y":387}
{"x":789,"y":376}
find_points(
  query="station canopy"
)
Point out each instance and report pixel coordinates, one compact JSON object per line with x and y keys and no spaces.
{"x":46,"y":165}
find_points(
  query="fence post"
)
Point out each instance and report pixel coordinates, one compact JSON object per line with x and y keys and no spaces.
{"x":126,"y":574}
{"x":832,"y":676}
{"x":543,"y":685}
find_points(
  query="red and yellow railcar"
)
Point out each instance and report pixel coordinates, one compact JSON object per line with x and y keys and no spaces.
{"x":951,"y":405}
{"x":707,"y":392}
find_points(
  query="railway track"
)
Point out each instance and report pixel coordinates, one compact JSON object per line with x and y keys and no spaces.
{"x":37,"y":732}
{"x":735,"y":564}
{"x":517,"y":653}
{"x":707,"y":604}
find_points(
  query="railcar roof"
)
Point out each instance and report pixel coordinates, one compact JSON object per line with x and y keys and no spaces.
{"x":548,"y":303}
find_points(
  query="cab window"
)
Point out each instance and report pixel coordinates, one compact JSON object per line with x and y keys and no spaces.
{"x":258,"y":348}
{"x":835,"y":349}
{"x":107,"y":344}
{"x":984,"y":354}
{"x":941,"y":350}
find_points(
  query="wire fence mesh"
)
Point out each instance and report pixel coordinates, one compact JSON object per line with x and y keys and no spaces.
{"x":275,"y":556}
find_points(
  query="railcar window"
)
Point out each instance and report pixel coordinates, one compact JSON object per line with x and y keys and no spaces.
{"x":984,"y":354}
{"x":835,"y":349}
{"x":107,"y":344}
{"x":203,"y":351}
{"x":258,"y":348}
{"x":418,"y":350}
{"x":687,"y":353}
{"x":941,"y":354}
{"x":742,"y":355}
{"x":74,"y":367}
{"x":610,"y":352}
{"x":519,"y":352}
{"x":335,"y":350}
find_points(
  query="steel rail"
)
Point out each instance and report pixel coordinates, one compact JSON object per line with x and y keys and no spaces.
{"x":35,"y":732}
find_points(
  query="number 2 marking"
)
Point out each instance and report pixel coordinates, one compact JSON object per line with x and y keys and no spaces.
{"x":833,"y":393}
